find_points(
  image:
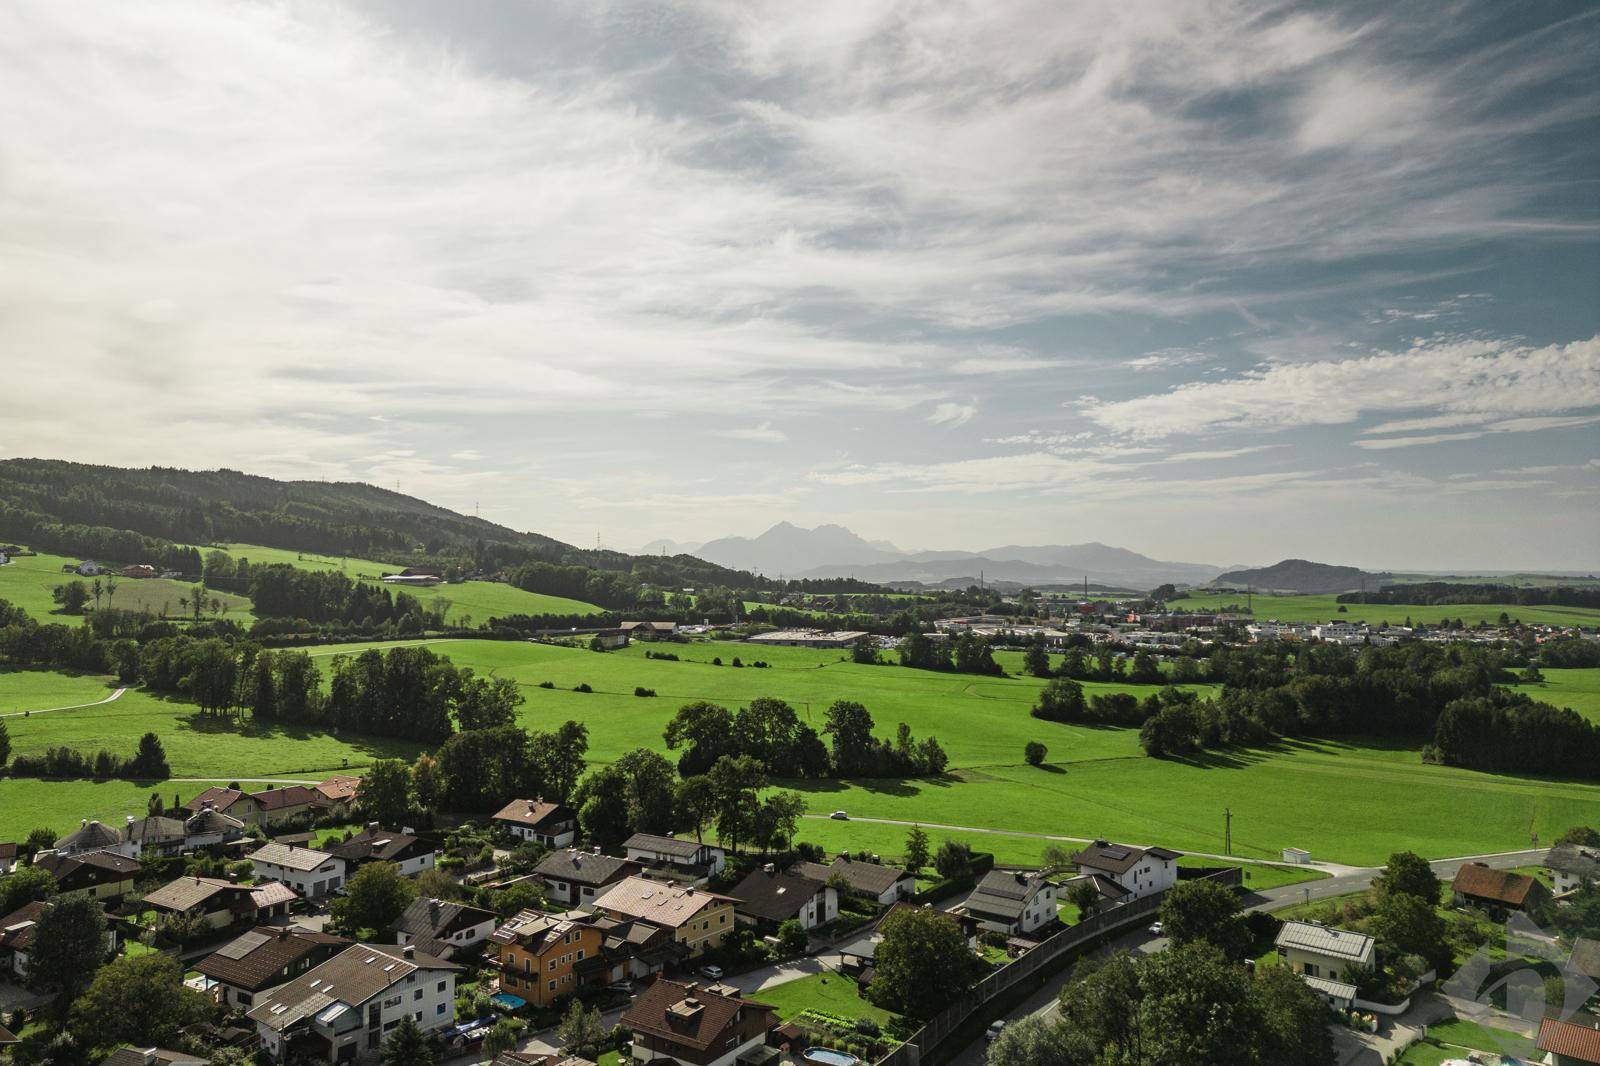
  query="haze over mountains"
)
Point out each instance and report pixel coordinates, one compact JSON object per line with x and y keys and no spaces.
{"x":834,"y":551}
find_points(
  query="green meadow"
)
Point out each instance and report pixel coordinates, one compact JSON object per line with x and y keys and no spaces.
{"x":29,"y":580}
{"x":477,"y":601}
{"x":1326,"y":609}
{"x":1346,"y":801}
{"x":1577,"y":689}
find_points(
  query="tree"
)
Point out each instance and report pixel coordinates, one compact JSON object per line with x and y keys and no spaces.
{"x":582,"y":1032}
{"x":72,"y":596}
{"x":1085,"y":897}
{"x":407,"y":1046}
{"x":1060,"y":701}
{"x":705,"y":731}
{"x":850,"y":725}
{"x":502,"y":1038}
{"x":373,"y":901}
{"x":1144,"y":670}
{"x":1293,"y":1020}
{"x":138,"y":1000}
{"x":792,"y":938}
{"x":487,"y":703}
{"x":29,"y":884}
{"x":1205,"y":911}
{"x":922,"y":962}
{"x":953,"y":860}
{"x":384,"y":794}
{"x":1036,"y":660}
{"x":1580,"y":835}
{"x":1196,"y":1007}
{"x":1034,"y":752}
{"x":865,"y":651}
{"x":1033,"y":1041}
{"x":68,"y":947}
{"x":916,"y":849}
{"x":694,"y":800}
{"x":735,"y":783}
{"x":150,"y":761}
{"x":601,"y":799}
{"x":1410,"y":873}
{"x":648,"y":783}
{"x":426,"y":783}
{"x":1409,"y":925}
{"x":5,"y":744}
{"x":775,"y":822}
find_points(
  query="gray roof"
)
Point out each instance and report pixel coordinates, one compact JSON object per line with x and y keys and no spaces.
{"x":1578,"y":861}
{"x":92,"y":835}
{"x":584,"y":867}
{"x":1004,"y":894}
{"x":686,"y":849}
{"x":1340,"y":989}
{"x":867,"y":878}
{"x":351,"y":977}
{"x":156,"y":827}
{"x":1325,"y":940}
{"x":303,"y":859}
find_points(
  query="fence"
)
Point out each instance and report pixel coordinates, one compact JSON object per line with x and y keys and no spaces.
{"x":1072,"y":940}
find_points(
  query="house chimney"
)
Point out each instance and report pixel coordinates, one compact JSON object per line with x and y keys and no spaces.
{"x":130,"y":819}
{"x":83,"y":823}
{"x":597,"y":849}
{"x":769,"y":869}
{"x":373,"y":827}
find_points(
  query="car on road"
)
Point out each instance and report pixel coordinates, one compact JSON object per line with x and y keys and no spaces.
{"x":1156,"y":928}
{"x":712,"y":973}
{"x":994,"y":1030}
{"x":840,"y":816}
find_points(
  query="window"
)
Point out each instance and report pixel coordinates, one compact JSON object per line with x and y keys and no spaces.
{"x":441,"y":986}
{"x":417,"y":994}
{"x":439,"y":1009}
{"x":552,"y":964}
{"x":580,"y":954}
{"x":552,"y":986}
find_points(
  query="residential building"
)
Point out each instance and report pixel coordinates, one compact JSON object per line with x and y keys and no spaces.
{"x":808,"y":638}
{"x":152,"y":1056}
{"x":1322,"y":956}
{"x":91,"y":835}
{"x":343,"y":1009}
{"x":1585,"y":958}
{"x":375,"y":844}
{"x":1140,"y":871}
{"x":88,"y":568}
{"x":550,"y":824}
{"x":443,"y":928}
{"x":289,"y":805}
{"x":8,"y":858}
{"x":650,"y":630}
{"x":1498,"y":891}
{"x":694,"y":1026}
{"x":1570,"y":1043}
{"x":17,"y":932}
{"x":1013,"y":902}
{"x":575,"y":877}
{"x":240,"y":806}
{"x":686,"y":856}
{"x":869,"y":880}
{"x":309,"y":872}
{"x":217,"y":904}
{"x":539,"y":954}
{"x":156,"y":836}
{"x":768,"y":897}
{"x":100,"y":875}
{"x":340,"y":792}
{"x":264,"y":957}
{"x":139,"y":570}
{"x":210,"y":828}
{"x":697,"y":919}
{"x":1572,"y":866}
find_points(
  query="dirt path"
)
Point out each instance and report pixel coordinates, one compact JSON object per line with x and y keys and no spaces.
{"x":73,"y":707}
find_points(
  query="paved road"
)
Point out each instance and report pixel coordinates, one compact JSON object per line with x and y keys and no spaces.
{"x":74,"y":707}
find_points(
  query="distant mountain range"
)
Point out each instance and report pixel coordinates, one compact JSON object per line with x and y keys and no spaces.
{"x":834,"y":551}
{"x":1301,"y":575}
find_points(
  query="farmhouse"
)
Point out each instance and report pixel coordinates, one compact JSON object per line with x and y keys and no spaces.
{"x":346,"y":1007}
{"x":1572,"y":867}
{"x":217,"y":904}
{"x":140,"y":570}
{"x":808,"y":638}
{"x":883,"y":884}
{"x":1011,"y":902}
{"x":311,"y":873}
{"x":1139,"y":871}
{"x":374,"y":844}
{"x":264,"y":957}
{"x":1497,"y":891}
{"x":697,"y":919}
{"x":413,"y":580}
{"x":539,"y":954}
{"x":768,"y":898}
{"x":154,"y":837}
{"x":698,"y":861}
{"x":1321,"y":955}
{"x":97,"y":875}
{"x":444,"y":929}
{"x":575,"y":877}
{"x":650,"y":630}
{"x":340,"y":792}
{"x":550,"y":824}
{"x":1566,"y":1043}
{"x":694,"y":1026}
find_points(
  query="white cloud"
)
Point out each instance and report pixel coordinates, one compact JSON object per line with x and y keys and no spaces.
{"x":766,"y":431}
{"x":953,"y":414}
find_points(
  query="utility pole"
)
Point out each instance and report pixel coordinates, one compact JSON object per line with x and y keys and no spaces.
{"x":1227,"y":831}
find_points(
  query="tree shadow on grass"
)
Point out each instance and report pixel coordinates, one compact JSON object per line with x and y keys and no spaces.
{"x":1221,"y":758}
{"x":1051,"y":768}
{"x":247,"y":728}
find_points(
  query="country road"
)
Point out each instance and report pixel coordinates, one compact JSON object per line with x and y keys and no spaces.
{"x":74,"y":707}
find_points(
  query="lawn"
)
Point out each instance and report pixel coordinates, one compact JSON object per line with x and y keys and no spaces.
{"x":1459,"y":1034}
{"x":29,"y":580}
{"x":1326,"y":609}
{"x":1577,"y":689}
{"x":470,"y":601}
{"x":830,"y":993}
{"x":34,"y":690}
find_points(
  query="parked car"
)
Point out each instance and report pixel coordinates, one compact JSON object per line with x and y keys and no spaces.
{"x":994,"y":1029}
{"x":840,"y":816}
{"x":713,"y":973}
{"x":1156,"y":928}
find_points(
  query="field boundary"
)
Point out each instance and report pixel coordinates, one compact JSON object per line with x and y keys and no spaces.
{"x":74,"y":707}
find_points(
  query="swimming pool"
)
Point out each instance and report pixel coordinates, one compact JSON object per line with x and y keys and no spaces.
{"x":824,"y":1056}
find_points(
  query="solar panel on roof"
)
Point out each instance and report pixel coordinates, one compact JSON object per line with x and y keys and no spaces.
{"x":243,"y":946}
{"x":1116,"y":853}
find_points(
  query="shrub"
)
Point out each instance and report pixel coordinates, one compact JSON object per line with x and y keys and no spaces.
{"x":582,"y":688}
{"x":640,"y":690}
{"x":1034,"y":752}
{"x":547,"y":684}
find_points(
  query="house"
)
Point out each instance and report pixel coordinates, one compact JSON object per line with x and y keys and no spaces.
{"x":140,"y":570}
{"x":240,"y":806}
{"x":1585,"y":958}
{"x":17,"y":932}
{"x":882,"y":884}
{"x":1572,"y":866}
{"x":289,"y":805}
{"x":309,"y":872}
{"x":697,"y":919}
{"x":87,"y":568}
{"x":264,"y":957}
{"x":444,"y":929}
{"x":1140,"y":871}
{"x":91,"y":835}
{"x":769,"y":897}
{"x":1498,"y":891}
{"x":8,"y":858}
{"x":1569,"y":1043}
{"x":374,"y":844}
{"x":1013,"y":902}
{"x":7,"y":1037}
{"x":217,"y":904}
{"x":96,"y":875}
{"x":576,"y":877}
{"x":650,"y":630}
{"x":208,"y":828}
{"x":684,"y":856}
{"x":694,"y":1026}
{"x":343,"y":1009}
{"x":151,"y":1056}
{"x":550,"y":824}
{"x":539,"y":954}
{"x":1322,"y":955}
{"x":340,"y":792}
{"x":156,"y":836}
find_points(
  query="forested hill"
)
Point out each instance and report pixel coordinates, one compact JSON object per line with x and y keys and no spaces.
{"x":137,"y":515}
{"x":1301,"y":575}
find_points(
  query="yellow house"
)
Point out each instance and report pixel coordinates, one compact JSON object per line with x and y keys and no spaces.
{"x":97,"y":875}
{"x":697,"y":919}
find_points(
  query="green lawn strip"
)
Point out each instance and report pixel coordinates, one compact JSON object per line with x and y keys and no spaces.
{"x":1326,"y":609}
{"x":27,"y":804}
{"x":1577,"y":689}
{"x":29,"y":580}
{"x":831,"y":993}
{"x":1448,"y":1039}
{"x":33,"y":690}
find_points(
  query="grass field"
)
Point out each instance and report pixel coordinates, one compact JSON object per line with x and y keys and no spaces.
{"x":1346,"y":801}
{"x":1449,"y":1039}
{"x":33,"y":690}
{"x":1326,"y":609}
{"x":28,"y":581}
{"x":1577,"y":689}
{"x":830,"y":993}
{"x":477,"y":601}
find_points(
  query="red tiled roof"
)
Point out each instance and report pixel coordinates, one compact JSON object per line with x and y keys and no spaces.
{"x":1481,"y":882}
{"x":532,"y":813}
{"x":1565,"y":1038}
{"x":685,"y":1014}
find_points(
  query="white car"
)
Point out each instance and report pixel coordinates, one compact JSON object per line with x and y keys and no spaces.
{"x":994,"y":1029}
{"x":1155,"y":929}
{"x":713,"y":973}
{"x":840,"y":816}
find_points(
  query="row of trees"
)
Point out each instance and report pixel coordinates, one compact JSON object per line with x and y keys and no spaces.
{"x":967,"y":654}
{"x":1443,"y":593}
{"x":148,"y":762}
{"x":283,"y":591}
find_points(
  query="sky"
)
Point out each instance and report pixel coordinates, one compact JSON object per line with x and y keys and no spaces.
{"x":1217,"y":282}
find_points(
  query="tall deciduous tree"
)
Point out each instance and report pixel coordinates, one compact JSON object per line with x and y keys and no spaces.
{"x":916,"y":849}
{"x":922,"y":963}
{"x":69,"y":945}
{"x":138,"y":1000}
{"x":384,"y":794}
{"x":373,"y":901}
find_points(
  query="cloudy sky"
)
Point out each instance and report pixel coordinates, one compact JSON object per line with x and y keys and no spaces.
{"x":1217,"y":282}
